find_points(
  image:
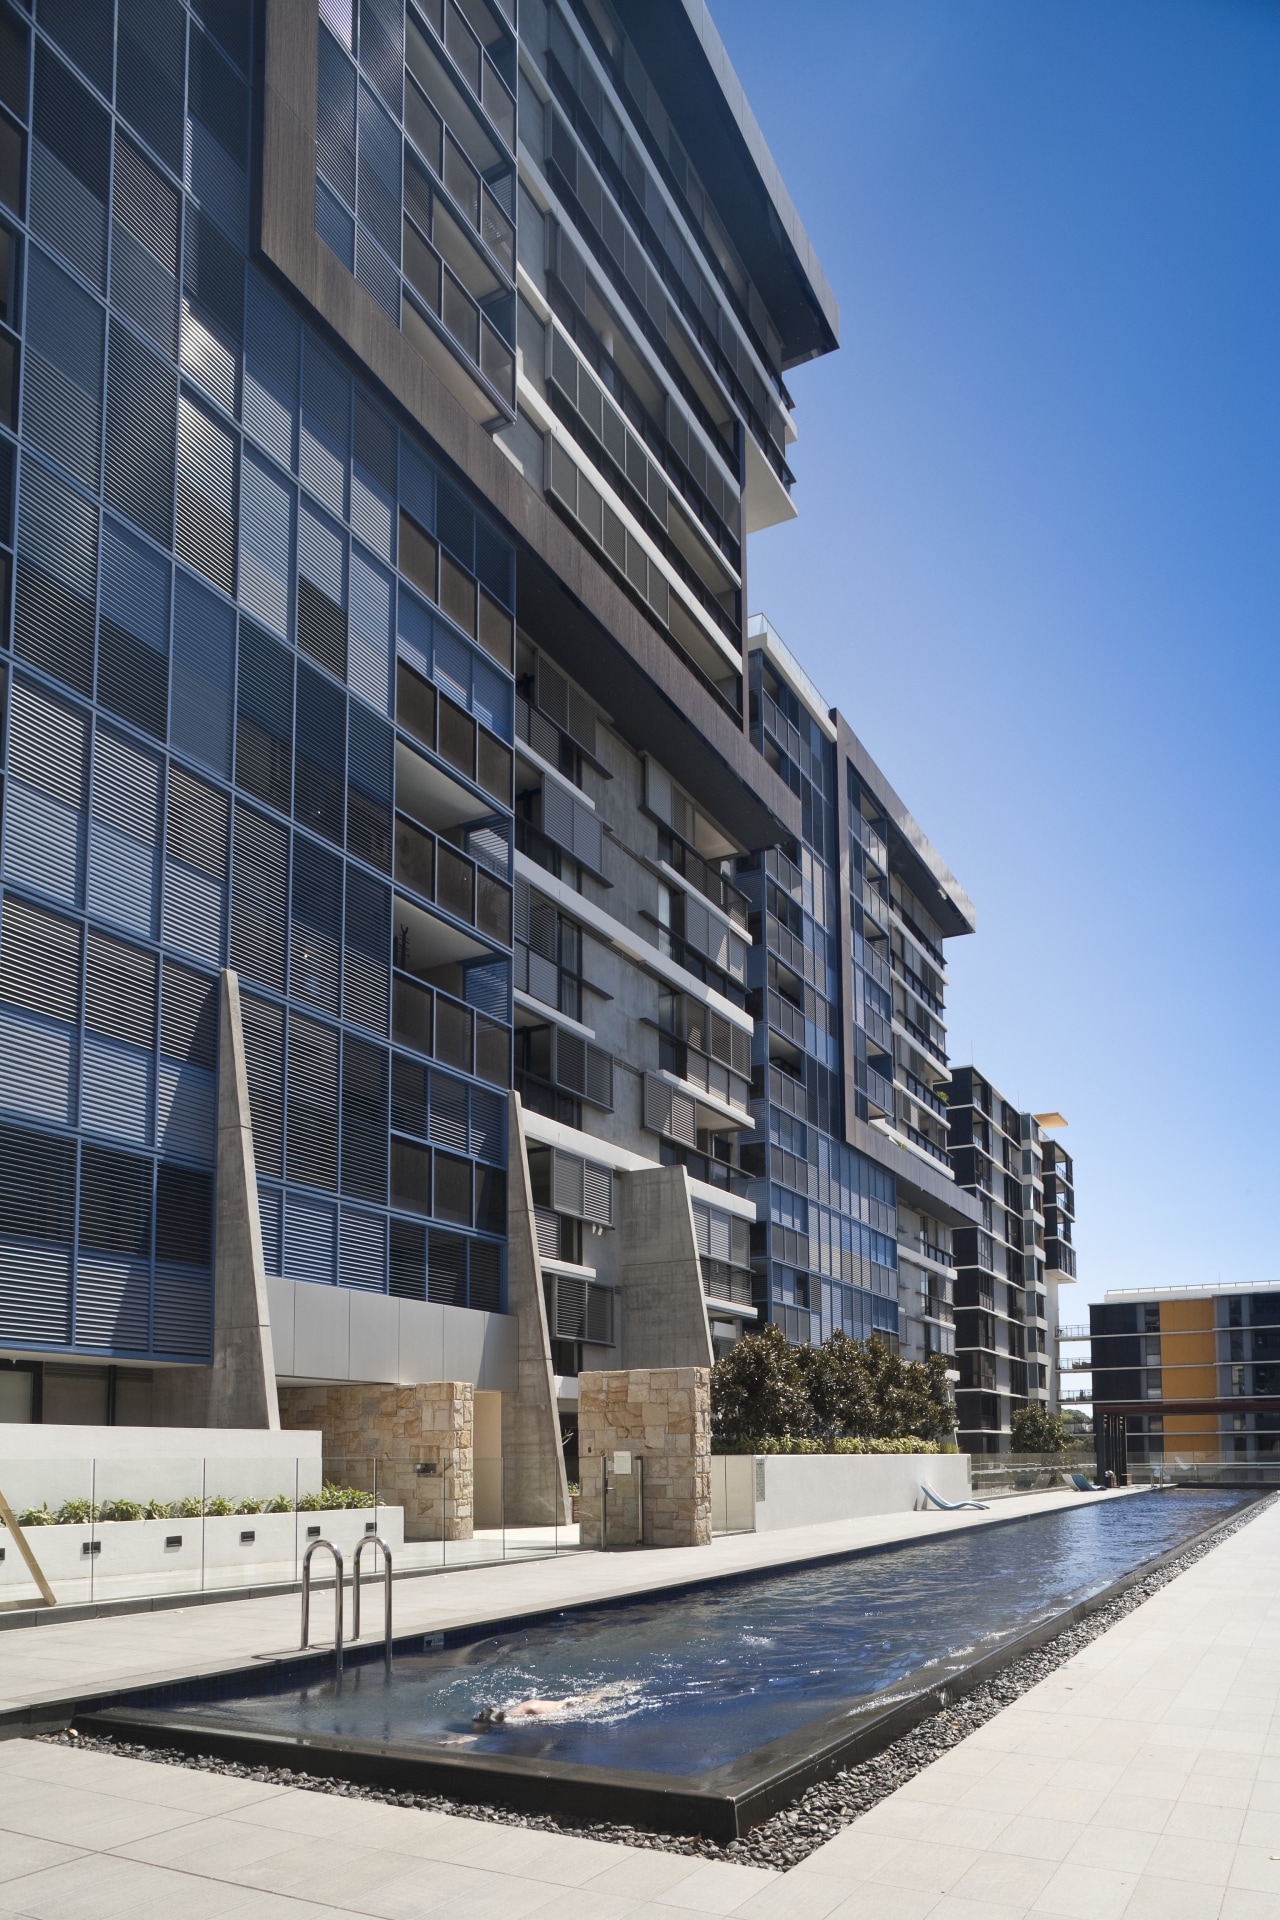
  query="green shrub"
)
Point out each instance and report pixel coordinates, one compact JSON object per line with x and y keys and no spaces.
{"x":77,"y":1513}
{"x":161,"y":1510}
{"x":189,"y":1509}
{"x":122,"y":1510}
{"x":249,"y":1506}
{"x":799,"y":1443}
{"x":280,"y":1504}
{"x":219,"y":1507}
{"x":40,"y":1516}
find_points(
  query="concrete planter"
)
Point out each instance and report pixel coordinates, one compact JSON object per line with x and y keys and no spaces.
{"x":765,"y":1492}
{"x":118,"y":1559}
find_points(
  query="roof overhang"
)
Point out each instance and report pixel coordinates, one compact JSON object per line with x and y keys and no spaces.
{"x":686,"y":60}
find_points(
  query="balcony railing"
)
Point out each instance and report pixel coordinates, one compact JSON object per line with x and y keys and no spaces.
{"x":925,"y":1038}
{"x":436,"y":290}
{"x":435,"y":1024}
{"x":922,"y":1140}
{"x":720,"y":1281}
{"x":709,"y":881}
{"x":436,"y":871}
{"x":475,"y":65}
{"x":925,"y":1095}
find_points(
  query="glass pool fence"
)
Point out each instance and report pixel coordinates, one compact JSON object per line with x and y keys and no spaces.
{"x":118,"y":1529}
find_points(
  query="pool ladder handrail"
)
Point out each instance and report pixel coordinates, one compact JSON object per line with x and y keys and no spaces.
{"x":373,"y":1540}
{"x":337,"y":1599}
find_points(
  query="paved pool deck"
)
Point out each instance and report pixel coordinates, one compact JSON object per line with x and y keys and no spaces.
{"x":77,"y":1659}
{"x":1141,"y":1779}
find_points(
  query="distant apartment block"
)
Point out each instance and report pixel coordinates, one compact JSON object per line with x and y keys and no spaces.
{"x":1187,"y":1374}
{"x":1008,"y":1267}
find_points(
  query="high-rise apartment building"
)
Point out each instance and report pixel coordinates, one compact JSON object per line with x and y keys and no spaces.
{"x":1006,"y":1285}
{"x":855,"y":1197}
{"x":388,"y":392}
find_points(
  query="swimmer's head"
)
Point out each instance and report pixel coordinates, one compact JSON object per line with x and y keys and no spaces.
{"x":489,"y":1717}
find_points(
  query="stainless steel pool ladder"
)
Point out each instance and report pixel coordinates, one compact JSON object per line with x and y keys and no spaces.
{"x":337,"y":1598}
{"x":373,"y":1540}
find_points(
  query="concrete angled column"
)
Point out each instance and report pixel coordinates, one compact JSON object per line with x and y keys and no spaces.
{"x":535,"y":1486}
{"x":239,"y":1389}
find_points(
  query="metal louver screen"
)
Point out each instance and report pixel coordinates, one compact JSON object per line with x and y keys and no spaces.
{"x":578,"y":1067}
{"x":142,"y":399}
{"x":366,"y":984}
{"x":120,"y":990}
{"x":668,"y":1111}
{"x":562,"y":703}
{"x":312,"y":1143}
{"x":205,"y":534}
{"x":124,"y":829}
{"x":264,"y":1066}
{"x":39,"y":961}
{"x":57,"y":573}
{"x":579,"y":1309}
{"x":259,"y":890}
{"x":144,"y":249}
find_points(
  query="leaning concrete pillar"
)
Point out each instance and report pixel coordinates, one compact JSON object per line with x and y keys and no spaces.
{"x":239,"y":1389}
{"x":664,"y":1312}
{"x":535,"y":1488}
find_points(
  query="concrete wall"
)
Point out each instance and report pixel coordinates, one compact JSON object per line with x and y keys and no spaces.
{"x":536,"y":1490}
{"x":664,"y":1316}
{"x":337,"y":1333}
{"x":767,"y":1492}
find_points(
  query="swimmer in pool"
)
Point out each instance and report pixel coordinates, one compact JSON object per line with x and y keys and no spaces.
{"x":536,"y":1709}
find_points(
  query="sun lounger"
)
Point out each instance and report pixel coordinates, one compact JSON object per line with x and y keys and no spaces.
{"x":951,"y":1506}
{"x":1083,"y":1484}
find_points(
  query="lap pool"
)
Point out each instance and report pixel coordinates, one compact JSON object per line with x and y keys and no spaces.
{"x":712,"y":1688}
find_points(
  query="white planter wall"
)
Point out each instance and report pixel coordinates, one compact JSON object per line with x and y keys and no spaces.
{"x":763,"y":1493}
{"x":134,"y":1558}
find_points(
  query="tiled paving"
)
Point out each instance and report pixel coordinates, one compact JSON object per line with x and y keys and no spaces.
{"x":1141,"y":1781}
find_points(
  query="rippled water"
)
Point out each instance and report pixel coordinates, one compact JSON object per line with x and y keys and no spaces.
{"x":685,"y":1684}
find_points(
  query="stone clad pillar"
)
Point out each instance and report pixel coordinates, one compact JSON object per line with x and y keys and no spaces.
{"x":413,"y":1446}
{"x":662,"y":1414}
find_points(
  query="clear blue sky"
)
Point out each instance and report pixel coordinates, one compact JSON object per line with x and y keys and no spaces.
{"x":1038,"y":556}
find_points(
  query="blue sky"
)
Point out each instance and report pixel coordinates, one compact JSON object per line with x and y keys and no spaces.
{"x":1038,"y":556}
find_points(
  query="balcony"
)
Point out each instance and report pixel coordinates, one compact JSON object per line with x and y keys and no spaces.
{"x":434,"y":290}
{"x":919,"y":1139}
{"x":921,"y":1036}
{"x":925,"y":1095}
{"x":472,"y":59}
{"x":437,"y":872}
{"x":720,"y":1281}
{"x":708,"y":880}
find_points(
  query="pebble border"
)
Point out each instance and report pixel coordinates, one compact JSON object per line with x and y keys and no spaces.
{"x":788,"y":1837}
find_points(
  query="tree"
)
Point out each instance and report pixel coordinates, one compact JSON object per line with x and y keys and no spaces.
{"x":765,"y":1388}
{"x":758,"y":1389}
{"x":1036,"y":1430}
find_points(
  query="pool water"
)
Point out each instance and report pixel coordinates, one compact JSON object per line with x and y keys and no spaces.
{"x":692,"y":1682}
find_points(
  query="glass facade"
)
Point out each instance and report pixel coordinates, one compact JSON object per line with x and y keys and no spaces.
{"x":824,"y":1252}
{"x":258,"y":713}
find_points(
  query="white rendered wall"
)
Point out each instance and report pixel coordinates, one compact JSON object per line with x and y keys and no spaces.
{"x":766,"y":1492}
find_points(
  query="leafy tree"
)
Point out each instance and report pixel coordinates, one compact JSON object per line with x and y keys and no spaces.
{"x":758,"y":1388}
{"x":1036,"y":1430}
{"x":764,"y":1388}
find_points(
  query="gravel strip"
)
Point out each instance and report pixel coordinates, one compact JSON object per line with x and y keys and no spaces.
{"x":787,"y":1837}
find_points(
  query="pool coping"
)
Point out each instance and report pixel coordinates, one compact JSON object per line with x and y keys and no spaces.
{"x":723,"y":1804}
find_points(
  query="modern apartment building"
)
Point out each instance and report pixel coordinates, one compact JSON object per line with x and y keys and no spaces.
{"x":1186,"y":1375}
{"x":388,"y":394}
{"x":855,"y":1197}
{"x":1008,"y":1267}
